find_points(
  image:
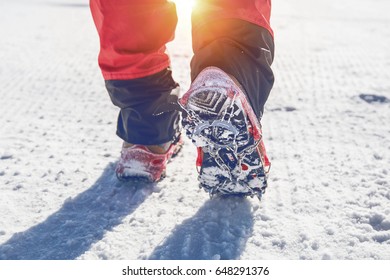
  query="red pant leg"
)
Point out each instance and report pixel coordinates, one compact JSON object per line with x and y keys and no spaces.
{"x":133,"y":34}
{"x":254,"y":11}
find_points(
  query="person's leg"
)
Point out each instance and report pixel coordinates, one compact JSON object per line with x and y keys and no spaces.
{"x":132,"y":36}
{"x":236,"y":37}
{"x":231,"y":81}
{"x":135,"y":67}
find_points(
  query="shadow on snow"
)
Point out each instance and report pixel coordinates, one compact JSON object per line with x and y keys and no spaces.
{"x":80,"y":222}
{"x":219,"y":230}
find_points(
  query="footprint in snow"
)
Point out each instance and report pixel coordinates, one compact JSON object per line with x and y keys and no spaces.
{"x":373,"y":98}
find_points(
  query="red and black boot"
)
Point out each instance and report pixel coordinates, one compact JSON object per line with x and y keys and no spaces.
{"x":220,"y":121}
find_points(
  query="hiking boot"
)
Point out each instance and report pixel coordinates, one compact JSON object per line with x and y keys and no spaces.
{"x":146,"y":163}
{"x":220,"y":121}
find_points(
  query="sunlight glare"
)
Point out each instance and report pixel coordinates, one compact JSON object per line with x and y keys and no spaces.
{"x":184,"y":6}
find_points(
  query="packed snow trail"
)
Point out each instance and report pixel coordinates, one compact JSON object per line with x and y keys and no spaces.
{"x":325,"y":126}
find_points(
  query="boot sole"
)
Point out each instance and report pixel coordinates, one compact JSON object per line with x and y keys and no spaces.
{"x":217,"y":122}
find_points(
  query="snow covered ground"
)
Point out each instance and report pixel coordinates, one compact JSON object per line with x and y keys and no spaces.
{"x":326,"y":128}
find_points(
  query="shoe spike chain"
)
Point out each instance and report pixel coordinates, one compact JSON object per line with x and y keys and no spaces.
{"x":226,"y":123}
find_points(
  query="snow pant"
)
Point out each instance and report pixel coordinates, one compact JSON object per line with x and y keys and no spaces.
{"x":232,"y":35}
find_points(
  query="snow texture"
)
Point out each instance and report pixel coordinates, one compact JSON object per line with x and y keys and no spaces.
{"x":326,"y":128}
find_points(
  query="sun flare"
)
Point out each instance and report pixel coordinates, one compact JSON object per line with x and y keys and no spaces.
{"x":184,"y":6}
